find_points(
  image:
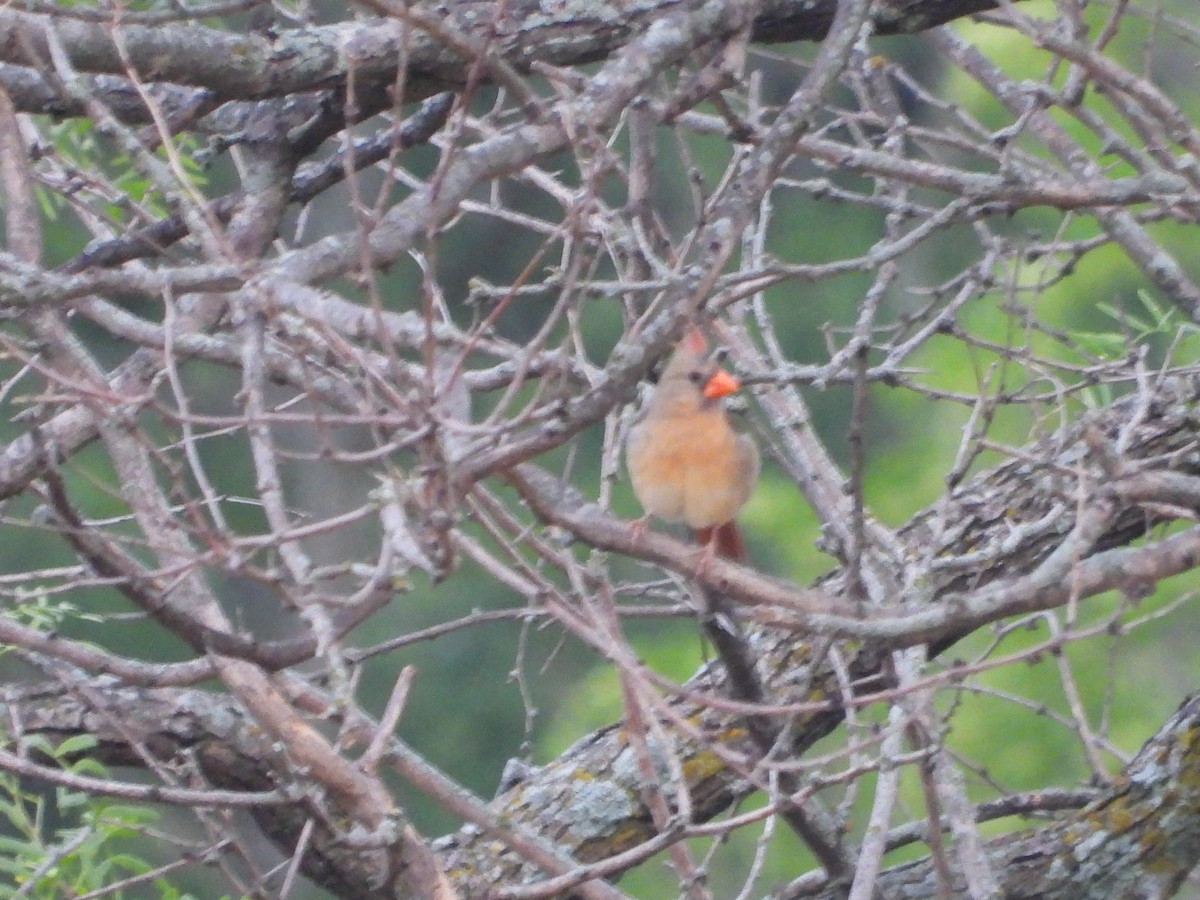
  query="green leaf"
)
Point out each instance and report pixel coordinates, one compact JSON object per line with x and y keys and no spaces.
{"x":79,"y":743}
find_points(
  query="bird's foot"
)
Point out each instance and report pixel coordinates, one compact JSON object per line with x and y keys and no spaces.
{"x":709,"y":547}
{"x":639,"y":527}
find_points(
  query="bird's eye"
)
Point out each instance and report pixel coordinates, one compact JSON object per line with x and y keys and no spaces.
{"x":695,"y":376}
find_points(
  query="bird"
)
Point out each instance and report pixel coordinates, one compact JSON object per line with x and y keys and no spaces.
{"x":686,"y":461}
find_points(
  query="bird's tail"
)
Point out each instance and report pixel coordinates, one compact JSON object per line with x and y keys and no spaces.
{"x":726,"y":541}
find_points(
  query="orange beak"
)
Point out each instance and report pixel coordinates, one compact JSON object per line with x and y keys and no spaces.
{"x":720,"y":384}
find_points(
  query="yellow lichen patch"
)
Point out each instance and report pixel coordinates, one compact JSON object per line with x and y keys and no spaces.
{"x":1189,"y":769}
{"x":702,"y":765}
{"x":624,"y":837}
{"x":511,"y":800}
{"x":1117,"y":817}
{"x":1153,"y":844}
{"x":818,"y":695}
{"x":1161,"y":865}
{"x":735,"y":733}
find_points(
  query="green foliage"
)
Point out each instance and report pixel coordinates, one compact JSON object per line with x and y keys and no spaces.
{"x":47,"y":613}
{"x":61,"y":842}
{"x":95,"y":167}
{"x":1148,"y":323}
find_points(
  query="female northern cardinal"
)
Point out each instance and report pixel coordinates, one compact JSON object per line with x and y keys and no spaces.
{"x":686,"y":462}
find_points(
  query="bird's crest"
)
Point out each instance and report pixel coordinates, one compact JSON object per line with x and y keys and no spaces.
{"x":694,"y":340}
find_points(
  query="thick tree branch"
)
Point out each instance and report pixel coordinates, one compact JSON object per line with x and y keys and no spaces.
{"x":1139,"y":838}
{"x":240,"y":66}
